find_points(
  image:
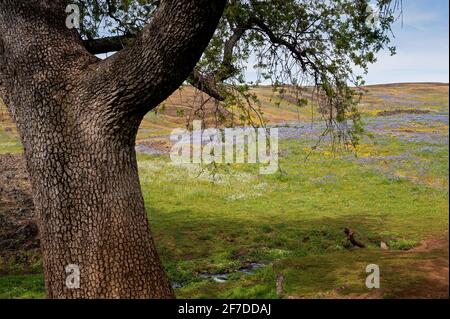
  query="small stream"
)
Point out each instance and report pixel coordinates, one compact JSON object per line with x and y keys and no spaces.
{"x":221,"y":278}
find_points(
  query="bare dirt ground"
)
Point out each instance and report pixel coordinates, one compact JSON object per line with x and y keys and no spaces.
{"x":431,"y":260}
{"x":19,"y":239}
{"x":397,"y":112}
{"x":436,"y":269}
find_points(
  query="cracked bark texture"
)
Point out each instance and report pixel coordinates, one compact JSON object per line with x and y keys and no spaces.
{"x":78,"y":118}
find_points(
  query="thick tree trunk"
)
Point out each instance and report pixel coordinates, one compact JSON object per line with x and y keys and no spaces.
{"x":92,"y":215}
{"x":78,"y":118}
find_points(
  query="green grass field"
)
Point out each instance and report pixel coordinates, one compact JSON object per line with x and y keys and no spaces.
{"x":290,"y":226}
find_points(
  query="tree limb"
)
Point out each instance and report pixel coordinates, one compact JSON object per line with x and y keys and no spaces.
{"x":205,"y":83}
{"x":227,"y":68}
{"x":139,"y":77}
{"x":210,"y":83}
{"x":279,"y":40}
{"x":108,"y":44}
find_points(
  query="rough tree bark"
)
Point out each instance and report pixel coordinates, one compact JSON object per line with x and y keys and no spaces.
{"x":78,"y":117}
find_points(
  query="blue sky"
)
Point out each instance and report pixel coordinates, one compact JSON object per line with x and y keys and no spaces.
{"x":422,"y":42}
{"x":422,"y":46}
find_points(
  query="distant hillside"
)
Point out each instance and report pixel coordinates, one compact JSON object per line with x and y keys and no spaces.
{"x":177,"y":109}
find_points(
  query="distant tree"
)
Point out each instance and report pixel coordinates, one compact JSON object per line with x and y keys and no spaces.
{"x":78,"y":115}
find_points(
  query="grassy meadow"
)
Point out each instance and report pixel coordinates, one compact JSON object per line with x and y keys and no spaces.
{"x":239,"y":234}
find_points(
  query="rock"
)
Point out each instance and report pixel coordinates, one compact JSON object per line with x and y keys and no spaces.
{"x":383,"y":246}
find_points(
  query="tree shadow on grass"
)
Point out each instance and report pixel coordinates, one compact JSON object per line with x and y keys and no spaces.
{"x":313,"y":258}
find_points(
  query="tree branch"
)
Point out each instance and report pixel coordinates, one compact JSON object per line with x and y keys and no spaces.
{"x":139,"y":77}
{"x":207,"y":84}
{"x":210,"y":84}
{"x":227,"y":68}
{"x":274,"y":39}
{"x":108,"y":44}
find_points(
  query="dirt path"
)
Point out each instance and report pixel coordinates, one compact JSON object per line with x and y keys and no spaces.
{"x":431,"y":260}
{"x":436,"y":269}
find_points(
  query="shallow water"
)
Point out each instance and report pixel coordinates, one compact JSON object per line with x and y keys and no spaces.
{"x":222,"y":278}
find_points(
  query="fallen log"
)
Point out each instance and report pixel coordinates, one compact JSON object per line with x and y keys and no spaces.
{"x":351,"y":237}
